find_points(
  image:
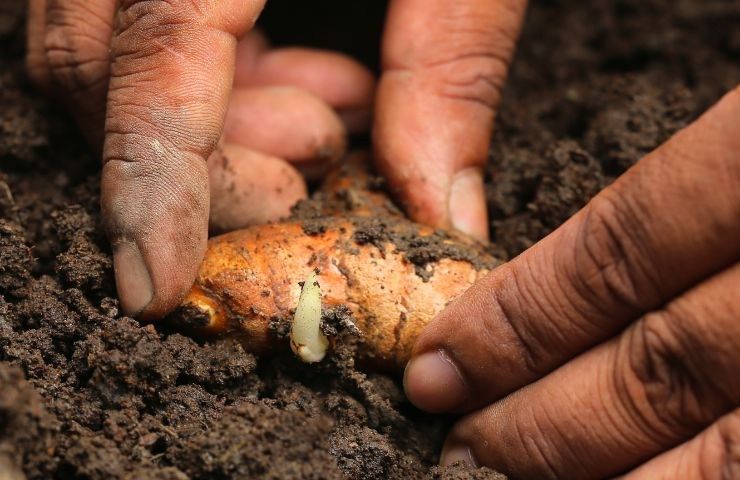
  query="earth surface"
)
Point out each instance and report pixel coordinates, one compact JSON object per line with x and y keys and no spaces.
{"x":86,"y":393}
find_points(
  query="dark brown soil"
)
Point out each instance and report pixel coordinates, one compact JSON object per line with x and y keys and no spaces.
{"x":87,"y":393}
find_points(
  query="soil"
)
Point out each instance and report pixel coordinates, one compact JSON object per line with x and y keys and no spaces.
{"x":87,"y":393}
{"x":356,"y":193}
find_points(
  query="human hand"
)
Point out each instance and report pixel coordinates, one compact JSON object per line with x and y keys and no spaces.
{"x":612,"y":345}
{"x":150,"y":83}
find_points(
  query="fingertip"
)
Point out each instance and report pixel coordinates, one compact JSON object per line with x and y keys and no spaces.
{"x":457,"y":453}
{"x":467,"y":204}
{"x":133,"y":281}
{"x":250,"y":188}
{"x":158,"y":230}
{"x":339,"y":80}
{"x":432,"y":151}
{"x":173,"y":272}
{"x":163,"y":117}
{"x":152,"y":282}
{"x":287,"y":123}
{"x":433,"y":382}
{"x":456,"y":201}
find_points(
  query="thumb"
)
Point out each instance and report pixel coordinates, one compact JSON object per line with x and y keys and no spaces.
{"x":443,"y":67}
{"x":170,"y":79}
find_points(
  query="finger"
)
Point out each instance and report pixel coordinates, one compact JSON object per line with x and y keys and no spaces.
{"x":74,"y":57}
{"x":339,"y":80}
{"x":661,"y":382}
{"x":662,"y":227}
{"x":715,"y":453}
{"x":249,"y":49}
{"x":288,"y":123}
{"x":443,"y":67}
{"x":38,"y":70}
{"x":250,"y":188}
{"x":170,"y":81}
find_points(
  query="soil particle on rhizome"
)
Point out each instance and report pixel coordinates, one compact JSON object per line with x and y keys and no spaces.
{"x":87,"y":393}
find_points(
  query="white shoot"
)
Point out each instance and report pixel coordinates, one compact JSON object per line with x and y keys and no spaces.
{"x":306,"y":338}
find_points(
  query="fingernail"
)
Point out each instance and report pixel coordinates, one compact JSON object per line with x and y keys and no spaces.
{"x":133,"y":281}
{"x":457,"y":453}
{"x":433,"y":382}
{"x":467,"y":204}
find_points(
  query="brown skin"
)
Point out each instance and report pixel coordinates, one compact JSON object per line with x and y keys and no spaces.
{"x":150,"y":84}
{"x":613,"y":341}
{"x":260,"y":117}
{"x":234,"y":172}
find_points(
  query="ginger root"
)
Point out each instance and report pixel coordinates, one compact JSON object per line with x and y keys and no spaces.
{"x":394,"y":275}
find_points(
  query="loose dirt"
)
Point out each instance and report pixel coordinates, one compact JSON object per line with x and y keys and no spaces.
{"x":87,"y":393}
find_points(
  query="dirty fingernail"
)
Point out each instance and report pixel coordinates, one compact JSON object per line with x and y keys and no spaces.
{"x":467,"y":204}
{"x":433,"y":382}
{"x":133,"y":281}
{"x":457,"y":453}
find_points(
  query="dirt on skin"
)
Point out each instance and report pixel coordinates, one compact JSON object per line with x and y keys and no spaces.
{"x":87,"y":393}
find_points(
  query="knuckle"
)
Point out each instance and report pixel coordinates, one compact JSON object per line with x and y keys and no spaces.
{"x":531,"y":351}
{"x":146,"y":29}
{"x":158,"y":18}
{"x":660,"y":361}
{"x":529,"y":437}
{"x":472,"y":62}
{"x":469,"y":66}
{"x":140,"y":150}
{"x":72,"y":71}
{"x":193,"y":5}
{"x":76,"y":59}
{"x":133,"y":202}
{"x":536,"y":442}
{"x":130,"y":134}
{"x":609,"y":266}
{"x":154,"y":19}
{"x":137,"y":146}
{"x":474,"y":65}
{"x":476,"y":78}
{"x":130,"y":118}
